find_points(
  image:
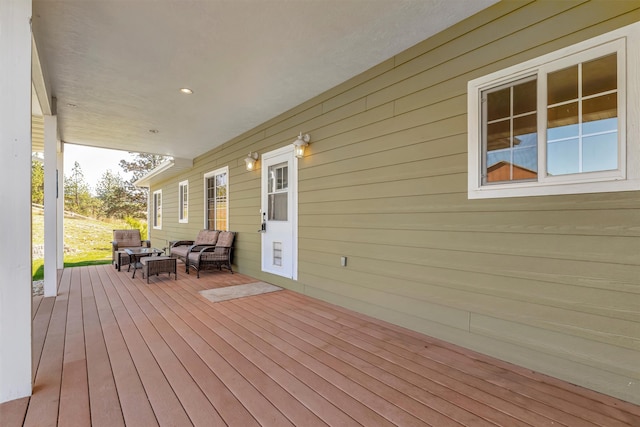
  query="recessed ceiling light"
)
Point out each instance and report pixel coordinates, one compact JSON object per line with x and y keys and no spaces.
{"x":154,"y":130}
{"x":186,"y":91}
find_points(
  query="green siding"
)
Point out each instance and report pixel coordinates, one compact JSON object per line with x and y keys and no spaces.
{"x":551,"y":283}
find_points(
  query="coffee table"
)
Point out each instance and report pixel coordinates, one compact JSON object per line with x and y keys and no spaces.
{"x":136,"y":254}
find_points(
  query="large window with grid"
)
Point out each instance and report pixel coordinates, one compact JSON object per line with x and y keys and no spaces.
{"x":558,"y":124}
{"x":216,"y":187}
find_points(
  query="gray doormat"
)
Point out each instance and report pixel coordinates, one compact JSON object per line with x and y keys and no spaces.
{"x":238,"y":291}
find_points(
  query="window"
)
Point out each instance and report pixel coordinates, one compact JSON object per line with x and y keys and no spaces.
{"x":277,"y":192}
{"x":157,"y":209}
{"x":183,"y":202}
{"x":216,"y":187}
{"x":558,"y":124}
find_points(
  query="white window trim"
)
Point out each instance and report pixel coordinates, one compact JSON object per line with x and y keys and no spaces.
{"x":157,"y":222}
{"x":181,"y":186}
{"x":204,"y":181}
{"x":626,"y":178}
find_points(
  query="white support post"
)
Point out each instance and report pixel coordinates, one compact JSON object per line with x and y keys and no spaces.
{"x":60,"y":207}
{"x":15,"y":194}
{"x":50,"y":206}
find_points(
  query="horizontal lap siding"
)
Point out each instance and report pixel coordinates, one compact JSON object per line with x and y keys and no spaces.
{"x":551,"y":283}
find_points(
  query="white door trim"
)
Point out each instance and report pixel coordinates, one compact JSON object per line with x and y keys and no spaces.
{"x":293,"y":188}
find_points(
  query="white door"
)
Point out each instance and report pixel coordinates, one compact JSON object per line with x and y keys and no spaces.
{"x":279,"y":213}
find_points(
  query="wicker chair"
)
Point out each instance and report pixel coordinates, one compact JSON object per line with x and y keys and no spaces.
{"x":125,"y":239}
{"x":182,"y":248}
{"x":215,"y":257}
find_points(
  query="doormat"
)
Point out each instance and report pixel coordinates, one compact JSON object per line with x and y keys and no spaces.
{"x":238,"y":291}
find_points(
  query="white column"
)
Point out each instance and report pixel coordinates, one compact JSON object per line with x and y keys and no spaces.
{"x":50,"y":206}
{"x":15,"y":194}
{"x":60,"y":206}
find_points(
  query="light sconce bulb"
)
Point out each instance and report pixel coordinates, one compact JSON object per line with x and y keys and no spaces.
{"x":301,"y":142}
{"x":251,"y":160}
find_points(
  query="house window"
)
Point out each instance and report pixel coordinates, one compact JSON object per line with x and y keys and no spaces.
{"x":216,"y":185}
{"x":157,"y":209}
{"x":183,"y":202}
{"x":558,"y":124}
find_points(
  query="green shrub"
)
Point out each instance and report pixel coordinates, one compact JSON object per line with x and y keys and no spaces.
{"x":139,"y":224}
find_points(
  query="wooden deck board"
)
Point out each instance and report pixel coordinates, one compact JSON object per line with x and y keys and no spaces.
{"x":103,"y":395}
{"x":316,"y":393}
{"x":287,"y":409}
{"x":301,"y":366}
{"x":433,"y":359}
{"x":41,"y":320}
{"x":428,"y":408}
{"x":166,"y":405}
{"x":37,"y":300}
{"x":433,"y":376}
{"x":112,"y":351}
{"x":155,"y":331}
{"x":12,"y":413}
{"x":134,"y":403}
{"x":408,"y":382}
{"x":44,"y":403}
{"x":74,"y":387}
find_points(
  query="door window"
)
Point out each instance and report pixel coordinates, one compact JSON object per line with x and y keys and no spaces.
{"x":277,"y":192}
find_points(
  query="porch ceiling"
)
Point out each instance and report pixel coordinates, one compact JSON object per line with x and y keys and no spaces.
{"x":116,"y":67}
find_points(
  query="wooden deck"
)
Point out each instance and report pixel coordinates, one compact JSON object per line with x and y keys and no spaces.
{"x":113,"y":351}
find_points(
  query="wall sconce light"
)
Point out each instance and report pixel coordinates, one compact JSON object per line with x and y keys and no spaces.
{"x":251,"y":161}
{"x":300,"y":144}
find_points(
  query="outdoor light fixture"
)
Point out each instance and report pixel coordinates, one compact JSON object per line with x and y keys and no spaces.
{"x":300,"y":144}
{"x":251,"y":160}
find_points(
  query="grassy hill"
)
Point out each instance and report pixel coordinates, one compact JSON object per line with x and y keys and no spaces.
{"x":86,"y":241}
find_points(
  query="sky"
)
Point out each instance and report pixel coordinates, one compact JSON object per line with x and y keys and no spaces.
{"x":94,"y":162}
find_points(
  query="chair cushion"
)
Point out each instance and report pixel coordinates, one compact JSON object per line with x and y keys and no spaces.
{"x":225,"y":239}
{"x":127,"y":238}
{"x":180,"y":251}
{"x":207,"y":237}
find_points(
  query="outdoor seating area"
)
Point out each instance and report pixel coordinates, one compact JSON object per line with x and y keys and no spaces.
{"x":180,"y":249}
{"x":213,"y":257}
{"x":110,"y":350}
{"x":212,"y":249}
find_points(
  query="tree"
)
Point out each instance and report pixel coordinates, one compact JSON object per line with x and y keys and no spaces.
{"x":141,"y":164}
{"x":116,"y":201}
{"x":77,"y":197}
{"x":37,"y":182}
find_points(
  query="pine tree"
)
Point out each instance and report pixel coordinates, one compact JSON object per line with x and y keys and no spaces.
{"x":111,"y":191}
{"x":77,"y":197}
{"x":141,"y":164}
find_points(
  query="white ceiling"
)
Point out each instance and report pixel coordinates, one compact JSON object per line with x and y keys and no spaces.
{"x":116,"y":66}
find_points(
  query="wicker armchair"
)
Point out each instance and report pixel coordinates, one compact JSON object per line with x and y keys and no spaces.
{"x":215,"y":257}
{"x":125,"y":239}
{"x":182,"y":248}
